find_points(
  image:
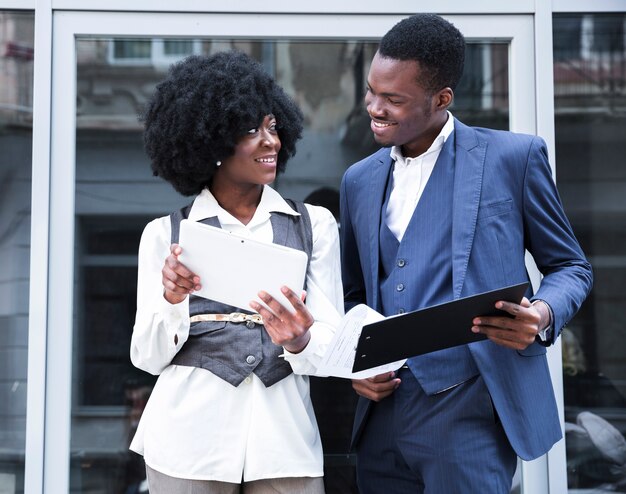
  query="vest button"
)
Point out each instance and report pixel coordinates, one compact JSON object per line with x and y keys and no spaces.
{"x":250,"y":359}
{"x":250,"y":324}
{"x":401,"y":263}
{"x":399,"y":287}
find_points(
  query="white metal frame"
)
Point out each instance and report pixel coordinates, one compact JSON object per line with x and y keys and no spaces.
{"x":18,"y":5}
{"x":321,"y":6}
{"x":67,"y":26}
{"x":48,"y":415}
{"x":585,"y":6}
{"x":404,"y":7}
{"x":38,"y":296}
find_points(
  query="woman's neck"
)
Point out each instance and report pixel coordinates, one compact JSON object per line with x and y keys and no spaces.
{"x":241,"y":202}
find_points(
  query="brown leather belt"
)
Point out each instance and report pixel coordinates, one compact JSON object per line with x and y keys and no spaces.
{"x":233,"y":317}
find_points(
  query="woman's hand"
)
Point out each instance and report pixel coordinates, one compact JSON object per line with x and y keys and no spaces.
{"x":178,"y":281}
{"x":290,"y":330}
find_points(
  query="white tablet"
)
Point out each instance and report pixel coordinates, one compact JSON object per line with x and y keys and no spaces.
{"x":233,"y":269}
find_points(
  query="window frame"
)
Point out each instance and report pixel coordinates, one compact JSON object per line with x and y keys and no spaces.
{"x":43,"y":408}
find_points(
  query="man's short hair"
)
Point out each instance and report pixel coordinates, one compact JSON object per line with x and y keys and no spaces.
{"x":433,"y":42}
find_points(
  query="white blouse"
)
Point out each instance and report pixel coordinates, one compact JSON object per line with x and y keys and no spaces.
{"x":197,"y":426}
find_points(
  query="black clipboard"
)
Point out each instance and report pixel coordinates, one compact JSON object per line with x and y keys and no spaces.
{"x":430,"y":329}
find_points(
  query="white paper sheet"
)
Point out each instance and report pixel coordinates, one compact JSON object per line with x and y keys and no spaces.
{"x":339,"y":357}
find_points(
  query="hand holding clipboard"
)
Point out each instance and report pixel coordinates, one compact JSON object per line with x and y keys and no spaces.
{"x":430,"y":329}
{"x":367,"y":344}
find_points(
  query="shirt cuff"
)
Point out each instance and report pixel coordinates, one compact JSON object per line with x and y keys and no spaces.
{"x":315,"y":347}
{"x":545,"y":335}
{"x":175,"y":319}
{"x":307,"y":361}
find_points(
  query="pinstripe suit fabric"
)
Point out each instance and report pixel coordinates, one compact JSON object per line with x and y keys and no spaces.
{"x":503,"y":201}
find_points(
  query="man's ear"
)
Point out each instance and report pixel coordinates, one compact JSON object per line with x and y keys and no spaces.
{"x":443,"y":99}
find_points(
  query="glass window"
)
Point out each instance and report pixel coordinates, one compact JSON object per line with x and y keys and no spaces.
{"x":16,"y":113}
{"x":132,"y":49}
{"x":173,"y":47}
{"x":116,"y":196}
{"x":590,"y":118}
{"x":156,"y":52}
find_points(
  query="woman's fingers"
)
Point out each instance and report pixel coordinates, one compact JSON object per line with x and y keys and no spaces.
{"x":178,"y":281}
{"x":285,"y":328}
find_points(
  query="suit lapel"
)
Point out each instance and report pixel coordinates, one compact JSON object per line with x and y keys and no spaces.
{"x":468,"y":178}
{"x":379,"y":174}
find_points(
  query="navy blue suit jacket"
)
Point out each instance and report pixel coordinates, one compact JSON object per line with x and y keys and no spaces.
{"x":505,"y":202}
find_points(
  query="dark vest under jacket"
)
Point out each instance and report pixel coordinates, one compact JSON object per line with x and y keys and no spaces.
{"x":417,"y":272}
{"x":232,"y":351}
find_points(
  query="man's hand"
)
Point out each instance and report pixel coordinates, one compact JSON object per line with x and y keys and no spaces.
{"x":178,"y":281}
{"x":518,"y":332}
{"x":289,"y":330}
{"x":378,"y":387}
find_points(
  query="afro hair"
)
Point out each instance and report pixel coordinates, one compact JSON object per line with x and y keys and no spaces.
{"x":433,"y":42}
{"x":198,"y":114}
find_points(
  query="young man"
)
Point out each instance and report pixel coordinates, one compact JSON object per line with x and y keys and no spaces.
{"x":445,"y":211}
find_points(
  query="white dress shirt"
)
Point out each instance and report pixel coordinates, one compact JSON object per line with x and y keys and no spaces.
{"x":196,"y":425}
{"x":410,"y":176}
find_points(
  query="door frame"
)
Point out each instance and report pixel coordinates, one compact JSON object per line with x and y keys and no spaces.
{"x":50,"y":371}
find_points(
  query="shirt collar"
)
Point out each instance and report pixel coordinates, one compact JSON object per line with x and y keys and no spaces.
{"x":206,"y":206}
{"x":437,"y":144}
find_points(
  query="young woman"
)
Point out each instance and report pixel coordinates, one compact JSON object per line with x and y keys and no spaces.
{"x":231,"y":410}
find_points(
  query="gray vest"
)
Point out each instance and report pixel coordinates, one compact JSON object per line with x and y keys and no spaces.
{"x":232,"y":351}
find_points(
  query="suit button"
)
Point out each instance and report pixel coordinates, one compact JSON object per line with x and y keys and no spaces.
{"x":250,"y":324}
{"x":250,"y":359}
{"x":400,"y":311}
{"x":399,"y":287}
{"x":401,"y":263}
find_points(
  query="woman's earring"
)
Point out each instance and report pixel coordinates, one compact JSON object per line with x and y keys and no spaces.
{"x":219,"y":163}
